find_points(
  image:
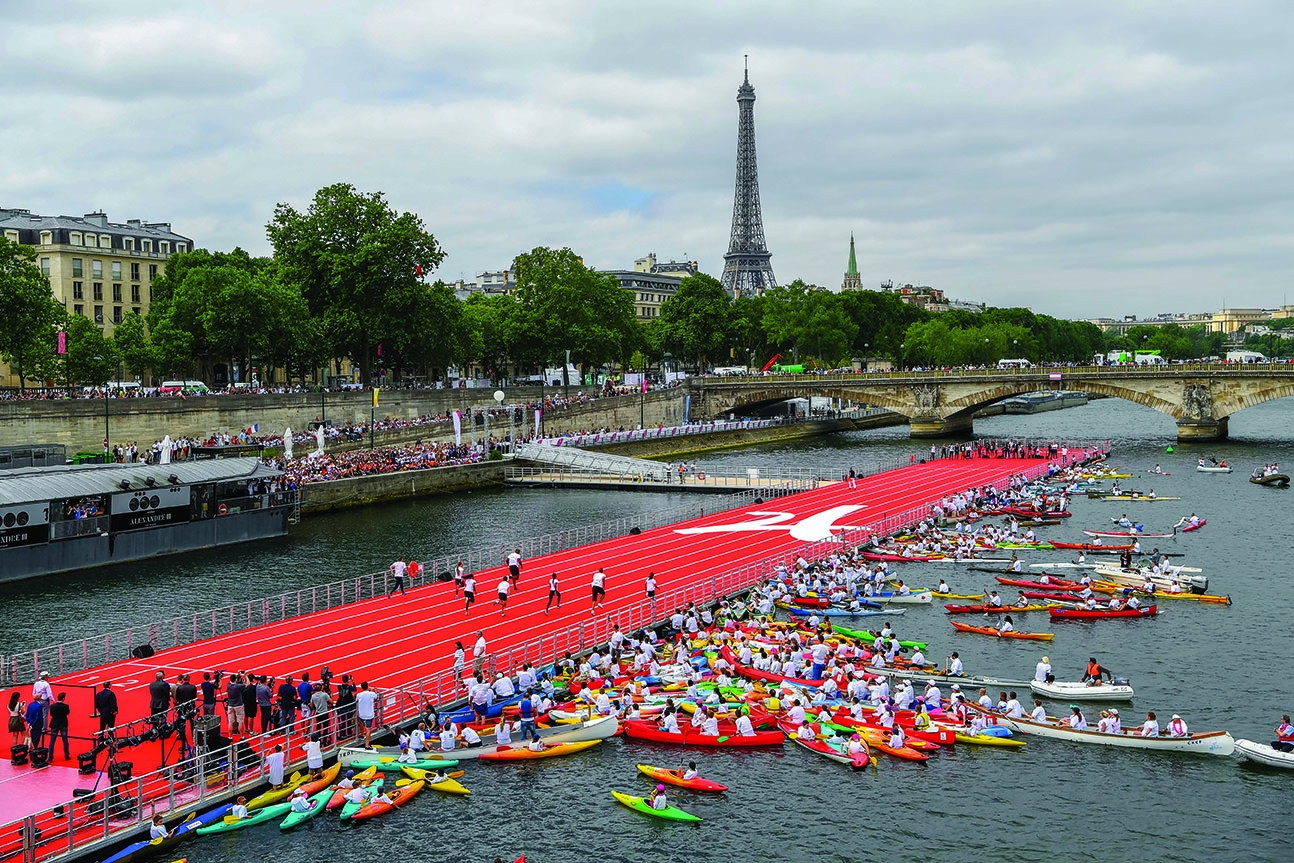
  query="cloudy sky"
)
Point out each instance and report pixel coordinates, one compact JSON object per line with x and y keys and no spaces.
{"x":1082,"y":159}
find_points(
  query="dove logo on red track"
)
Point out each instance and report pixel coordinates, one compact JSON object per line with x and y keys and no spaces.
{"x":812,"y":528}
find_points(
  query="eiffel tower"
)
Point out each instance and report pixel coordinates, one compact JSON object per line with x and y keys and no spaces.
{"x":746,"y":267}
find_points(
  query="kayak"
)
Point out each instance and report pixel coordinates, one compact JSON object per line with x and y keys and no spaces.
{"x":986,"y":739}
{"x":939,"y":595}
{"x":1088,"y":546}
{"x":834,"y":753}
{"x":643,"y":807}
{"x":675,"y":777}
{"x":1054,"y":584}
{"x":869,"y":638}
{"x":838,"y":612}
{"x":399,"y":797}
{"x":318,"y":803}
{"x":640,"y":730}
{"x":1098,"y":613}
{"x":274,"y":795}
{"x":265,"y":813}
{"x":995,"y":609}
{"x":326,"y":778}
{"x":520,"y":751}
{"x":391,"y":765}
{"x":1126,"y":535}
{"x":183,"y":830}
{"x":349,"y":808}
{"x":362,"y":778}
{"x":445,"y":784}
{"x":1114,"y":587}
{"x":1197,"y":526}
{"x":1140,"y":498}
{"x":988,"y":630}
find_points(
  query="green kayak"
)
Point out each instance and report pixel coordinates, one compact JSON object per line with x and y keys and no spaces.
{"x":643,"y":806}
{"x":318,"y":803}
{"x":390,"y":765}
{"x":869,"y":638}
{"x":371,"y":791}
{"x":265,"y":813}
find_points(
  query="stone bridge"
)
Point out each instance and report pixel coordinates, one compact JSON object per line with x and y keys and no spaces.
{"x":1200,"y":397}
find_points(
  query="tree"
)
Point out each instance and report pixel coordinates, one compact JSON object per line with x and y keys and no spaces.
{"x":353,"y":257}
{"x":491,"y":326}
{"x":748,"y":334}
{"x":569,"y":307}
{"x":29,"y":313}
{"x":91,"y":359}
{"x":786,"y":316}
{"x":131,"y":343}
{"x":696,"y":321}
{"x":796,"y":318}
{"x":426,"y":328}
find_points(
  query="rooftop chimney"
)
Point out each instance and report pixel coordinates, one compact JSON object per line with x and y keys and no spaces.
{"x":99,"y":218}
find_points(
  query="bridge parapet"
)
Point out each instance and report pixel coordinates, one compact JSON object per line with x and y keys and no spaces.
{"x":1200,"y":397}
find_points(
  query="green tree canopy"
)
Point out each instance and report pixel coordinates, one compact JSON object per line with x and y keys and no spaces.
{"x":29,"y":314}
{"x":696,"y":322}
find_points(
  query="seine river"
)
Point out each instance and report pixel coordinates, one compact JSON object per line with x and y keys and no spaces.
{"x":1219,"y":667}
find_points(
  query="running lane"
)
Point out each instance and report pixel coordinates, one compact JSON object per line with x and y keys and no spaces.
{"x":397,"y":641}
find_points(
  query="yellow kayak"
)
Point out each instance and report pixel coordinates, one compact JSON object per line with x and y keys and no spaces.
{"x":982,"y":739}
{"x":275,"y":795}
{"x":936,"y":593}
{"x":1113,"y":587}
{"x":448,"y":784}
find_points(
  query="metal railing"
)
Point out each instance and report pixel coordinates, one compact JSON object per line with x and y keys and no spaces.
{"x":704,"y":479}
{"x":106,"y":816}
{"x":1040,"y":373}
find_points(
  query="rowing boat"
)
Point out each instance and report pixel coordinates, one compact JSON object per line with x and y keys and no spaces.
{"x":1203,"y":743}
{"x":1065,"y":690}
{"x":1088,"y":546}
{"x":988,"y":630}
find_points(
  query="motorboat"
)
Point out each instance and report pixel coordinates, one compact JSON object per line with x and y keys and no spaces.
{"x":1264,"y":754}
{"x":1066,"y":690}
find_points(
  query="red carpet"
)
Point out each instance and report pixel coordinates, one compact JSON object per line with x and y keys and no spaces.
{"x":397,"y":642}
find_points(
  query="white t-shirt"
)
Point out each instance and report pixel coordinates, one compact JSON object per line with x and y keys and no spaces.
{"x":514,"y":559}
{"x":478,"y":649}
{"x":397,"y":569}
{"x":365,"y":700}
{"x":599,"y":578}
{"x":651,"y":584}
{"x":503,"y":587}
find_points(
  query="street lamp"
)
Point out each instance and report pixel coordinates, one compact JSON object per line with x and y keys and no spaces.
{"x":106,"y":449}
{"x":498,"y":398}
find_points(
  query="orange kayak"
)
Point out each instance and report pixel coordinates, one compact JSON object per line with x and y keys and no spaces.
{"x":988,"y":630}
{"x":362,"y":778}
{"x":399,"y":797}
{"x":674,"y":777}
{"x":523,"y":753}
{"x":328,"y":777}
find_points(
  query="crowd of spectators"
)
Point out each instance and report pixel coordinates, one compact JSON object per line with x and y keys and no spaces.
{"x":366,"y":462}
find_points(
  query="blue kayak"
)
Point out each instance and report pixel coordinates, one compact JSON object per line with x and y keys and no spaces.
{"x":840,"y":612}
{"x":147,"y":847}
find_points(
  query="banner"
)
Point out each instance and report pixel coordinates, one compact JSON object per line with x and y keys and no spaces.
{"x":151,"y":508}
{"x":687,"y":408}
{"x":62,"y":342}
{"x":376,"y":390}
{"x":538,"y":413}
{"x":25,"y":524}
{"x":458,"y":428}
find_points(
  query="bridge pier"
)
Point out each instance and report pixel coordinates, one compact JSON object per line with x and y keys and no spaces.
{"x":1202,"y":429}
{"x":953,"y":426}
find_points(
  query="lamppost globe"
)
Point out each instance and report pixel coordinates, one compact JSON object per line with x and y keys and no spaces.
{"x":498,"y":396}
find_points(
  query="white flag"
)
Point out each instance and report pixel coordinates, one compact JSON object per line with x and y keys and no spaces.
{"x":458,"y":428}
{"x":166,"y":450}
{"x":287,"y":443}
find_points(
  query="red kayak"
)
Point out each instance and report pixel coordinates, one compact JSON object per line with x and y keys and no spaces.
{"x":810,"y":601}
{"x":689,"y":736}
{"x":1087,"y":546}
{"x":1054,"y":584}
{"x":1191,"y":527}
{"x":1098,"y":613}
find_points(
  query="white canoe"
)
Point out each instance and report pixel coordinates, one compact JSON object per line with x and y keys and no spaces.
{"x":596,"y":729}
{"x":1264,"y":754}
{"x":1137,"y":577}
{"x":1204,"y":743}
{"x":1213,"y":469}
{"x":922,"y":598}
{"x":1065,"y":690}
{"x":1064,"y":565}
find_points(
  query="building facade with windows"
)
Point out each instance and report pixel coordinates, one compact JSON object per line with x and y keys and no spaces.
{"x":98,"y":269}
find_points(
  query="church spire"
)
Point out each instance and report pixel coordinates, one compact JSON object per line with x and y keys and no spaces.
{"x":852,"y":282}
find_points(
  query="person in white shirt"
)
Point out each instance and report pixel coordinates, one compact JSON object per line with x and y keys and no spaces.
{"x":503,"y":733}
{"x":239,"y":809}
{"x":503,"y":687}
{"x":745,"y":728}
{"x":669,"y":722}
{"x":1076,"y":720}
{"x":984,"y":700}
{"x":418,"y":738}
{"x":1150,"y":728}
{"x":918,"y":658}
{"x":406,"y":756}
{"x":599,"y":588}
{"x":1177,"y":727}
{"x":1013,"y":708}
{"x":448,"y":738}
{"x":796,"y":714}
{"x":300,"y":801}
{"x":1039,"y":713}
{"x":710,"y":725}
{"x":955,"y":666}
{"x":514,"y":567}
{"x":478,"y":653}
{"x":274,"y":765}
{"x":470,"y":737}
{"x":158,"y":830}
{"x":932,"y":696}
{"x":502,"y":599}
{"x":1043,"y":670}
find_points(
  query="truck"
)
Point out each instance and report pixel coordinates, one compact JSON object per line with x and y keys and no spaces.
{"x":1245,"y":357}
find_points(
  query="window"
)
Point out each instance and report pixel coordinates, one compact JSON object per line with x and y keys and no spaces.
{"x":78,"y":309}
{"x":164,"y":247}
{"x":98,"y":292}
{"x":134,"y":293}
{"x":148,"y":245}
{"x":134,"y":271}
{"x":11,"y":235}
{"x":44,"y":267}
{"x":180,"y":247}
{"x":90,"y":241}
{"x":116,"y":293}
{"x":137,"y":310}
{"x":76,"y":268}
{"x":98,"y":314}
{"x":75,"y":238}
{"x":128,"y":243}
{"x":116,"y":270}
{"x":96,"y":269}
{"x":78,"y":293}
{"x":116,"y":314}
{"x":46,"y":238}
{"x":152,"y":271}
{"x":105,"y":241}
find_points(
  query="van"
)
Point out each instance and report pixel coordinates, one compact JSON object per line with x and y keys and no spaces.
{"x":114,"y":386}
{"x":1014,"y":364}
{"x":170,"y":388}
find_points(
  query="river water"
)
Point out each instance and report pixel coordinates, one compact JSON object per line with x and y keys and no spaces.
{"x":1219,"y":667}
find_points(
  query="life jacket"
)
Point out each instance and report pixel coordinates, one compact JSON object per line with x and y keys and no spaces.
{"x":1094,"y":669}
